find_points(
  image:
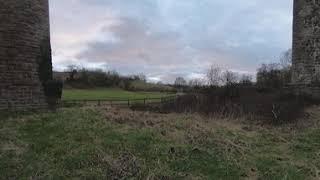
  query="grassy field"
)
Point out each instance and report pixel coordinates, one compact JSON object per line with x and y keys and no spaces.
{"x":122,"y":144}
{"x":96,"y":94}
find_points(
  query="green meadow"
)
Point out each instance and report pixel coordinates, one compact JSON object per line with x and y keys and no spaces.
{"x":108,"y":93}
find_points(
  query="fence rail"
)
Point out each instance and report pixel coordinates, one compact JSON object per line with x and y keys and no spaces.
{"x":118,"y":101}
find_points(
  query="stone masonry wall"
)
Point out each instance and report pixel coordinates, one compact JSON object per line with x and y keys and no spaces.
{"x":306,"y":43}
{"x":24,"y":25}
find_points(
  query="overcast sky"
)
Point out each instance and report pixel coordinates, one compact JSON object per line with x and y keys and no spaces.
{"x":169,"y":38}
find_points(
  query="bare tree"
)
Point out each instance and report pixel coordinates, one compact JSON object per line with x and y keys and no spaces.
{"x":142,"y":77}
{"x":180,"y":81}
{"x":229,"y":77}
{"x":196,"y":82}
{"x":72,"y":70}
{"x":272,"y":76}
{"x":214,"y":75}
{"x":246,"y":79}
{"x":286,"y":59}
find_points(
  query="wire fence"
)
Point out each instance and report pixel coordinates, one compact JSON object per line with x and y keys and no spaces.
{"x":118,"y":102}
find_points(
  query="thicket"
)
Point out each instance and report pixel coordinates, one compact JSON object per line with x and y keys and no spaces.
{"x":227,"y":93}
{"x":273,"y":106}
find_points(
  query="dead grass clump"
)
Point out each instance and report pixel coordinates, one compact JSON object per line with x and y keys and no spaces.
{"x":126,"y":166}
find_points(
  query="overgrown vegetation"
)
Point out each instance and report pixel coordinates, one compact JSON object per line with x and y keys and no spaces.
{"x":52,"y":88}
{"x":225,"y":93}
{"x":122,"y":144}
{"x":45,"y":62}
{"x":280,"y":106}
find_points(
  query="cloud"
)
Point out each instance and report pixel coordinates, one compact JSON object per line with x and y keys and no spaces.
{"x":169,"y":38}
{"x":161,"y":55}
{"x":134,"y":44}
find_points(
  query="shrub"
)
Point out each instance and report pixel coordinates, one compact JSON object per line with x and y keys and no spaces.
{"x":45,"y":62}
{"x":53,"y":89}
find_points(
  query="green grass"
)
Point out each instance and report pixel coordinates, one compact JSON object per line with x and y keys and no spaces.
{"x":87,"y":143}
{"x":96,"y":94}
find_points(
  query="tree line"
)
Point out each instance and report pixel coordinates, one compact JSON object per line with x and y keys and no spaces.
{"x":80,"y":77}
{"x":272,"y":75}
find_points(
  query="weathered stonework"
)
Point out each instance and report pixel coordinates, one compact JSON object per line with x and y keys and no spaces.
{"x":306,"y":43}
{"x":24,"y":31}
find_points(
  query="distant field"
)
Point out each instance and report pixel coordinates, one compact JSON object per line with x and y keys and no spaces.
{"x":96,"y":94}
